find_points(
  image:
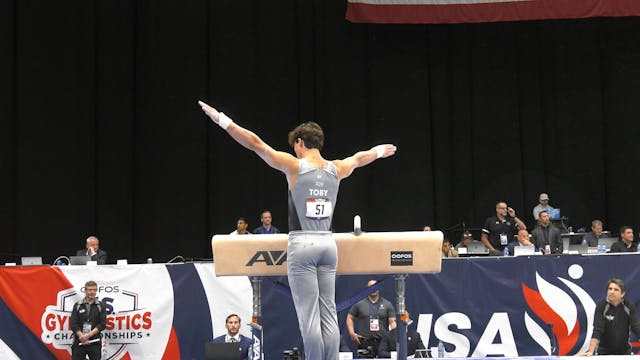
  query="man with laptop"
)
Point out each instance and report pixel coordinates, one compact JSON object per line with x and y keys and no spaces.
{"x":523,"y":244}
{"x":595,"y":234}
{"x":93,"y":251}
{"x":546,"y":236}
{"x":543,"y":205}
{"x":233,"y":336}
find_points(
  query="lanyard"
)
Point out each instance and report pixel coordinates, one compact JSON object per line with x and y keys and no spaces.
{"x":371,"y":308}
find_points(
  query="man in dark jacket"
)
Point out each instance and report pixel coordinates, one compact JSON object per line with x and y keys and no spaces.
{"x":388,"y":343}
{"x":233,"y":336}
{"x":88,"y":319}
{"x":545,"y":233}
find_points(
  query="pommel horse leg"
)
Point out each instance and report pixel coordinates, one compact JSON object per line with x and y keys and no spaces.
{"x":401,"y":318}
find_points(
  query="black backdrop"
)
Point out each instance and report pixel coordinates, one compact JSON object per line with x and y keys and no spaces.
{"x":100,"y":132}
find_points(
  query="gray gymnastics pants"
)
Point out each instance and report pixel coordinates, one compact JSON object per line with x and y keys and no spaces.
{"x":311,"y":260}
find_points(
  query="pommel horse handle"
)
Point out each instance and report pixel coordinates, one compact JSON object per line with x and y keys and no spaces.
{"x":403,"y":252}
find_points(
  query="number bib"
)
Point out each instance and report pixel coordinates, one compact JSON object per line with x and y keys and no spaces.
{"x":319,"y":208}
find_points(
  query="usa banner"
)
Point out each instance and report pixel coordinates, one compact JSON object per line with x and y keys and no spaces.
{"x":153,"y":311}
{"x":476,"y":11}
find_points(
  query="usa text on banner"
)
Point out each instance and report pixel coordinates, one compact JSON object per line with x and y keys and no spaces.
{"x":475,"y":11}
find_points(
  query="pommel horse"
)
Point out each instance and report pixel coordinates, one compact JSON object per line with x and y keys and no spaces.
{"x":398,"y":253}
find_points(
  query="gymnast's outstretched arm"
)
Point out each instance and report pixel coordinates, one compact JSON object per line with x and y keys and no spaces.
{"x":278,"y":160}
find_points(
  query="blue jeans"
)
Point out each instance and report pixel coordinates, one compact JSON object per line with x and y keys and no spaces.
{"x":312,"y":258}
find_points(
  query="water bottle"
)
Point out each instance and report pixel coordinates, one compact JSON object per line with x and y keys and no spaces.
{"x":570,"y":228}
{"x":506,"y":251}
{"x":584,"y":241}
{"x":638,"y":246}
{"x":250,"y":353}
{"x":441,"y":345}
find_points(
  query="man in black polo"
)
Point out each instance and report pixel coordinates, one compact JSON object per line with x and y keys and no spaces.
{"x":499,"y":230}
{"x":626,"y":243}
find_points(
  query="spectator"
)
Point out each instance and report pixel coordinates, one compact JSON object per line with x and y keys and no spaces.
{"x":241,"y":227}
{"x":266,"y":227}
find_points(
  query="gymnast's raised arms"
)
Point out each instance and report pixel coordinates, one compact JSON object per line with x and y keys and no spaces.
{"x":284,"y":161}
{"x":278,"y":160}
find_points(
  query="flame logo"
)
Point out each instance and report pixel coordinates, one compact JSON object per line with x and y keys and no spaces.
{"x":553,"y":305}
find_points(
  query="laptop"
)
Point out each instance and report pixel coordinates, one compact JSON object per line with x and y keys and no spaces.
{"x":554,"y":214}
{"x":31,"y":260}
{"x":607,"y":242}
{"x":524,"y":250}
{"x":477,"y":247}
{"x":222,"y":351}
{"x":579,"y":248}
{"x":79,"y":260}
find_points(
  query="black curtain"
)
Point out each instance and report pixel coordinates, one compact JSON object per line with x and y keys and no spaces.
{"x":100,"y":132}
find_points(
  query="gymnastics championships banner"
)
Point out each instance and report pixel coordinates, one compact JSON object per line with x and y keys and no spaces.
{"x":476,"y":11}
{"x":153,"y":311}
{"x":494,"y":306}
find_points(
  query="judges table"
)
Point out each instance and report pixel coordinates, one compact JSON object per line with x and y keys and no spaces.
{"x":476,"y":306}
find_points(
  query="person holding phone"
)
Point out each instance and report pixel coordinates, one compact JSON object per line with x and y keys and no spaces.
{"x":499,"y":230}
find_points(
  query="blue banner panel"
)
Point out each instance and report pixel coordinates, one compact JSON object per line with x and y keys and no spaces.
{"x":494,"y":306}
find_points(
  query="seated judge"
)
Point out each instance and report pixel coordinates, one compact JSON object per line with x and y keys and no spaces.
{"x":93,"y":250}
{"x":388,"y":342}
{"x":233,"y":336}
{"x":522,"y":240}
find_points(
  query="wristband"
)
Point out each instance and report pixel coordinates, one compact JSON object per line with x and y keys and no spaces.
{"x":379,"y":150}
{"x":224,"y":121}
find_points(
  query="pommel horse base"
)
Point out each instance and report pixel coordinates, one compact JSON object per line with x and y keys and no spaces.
{"x":398,"y":253}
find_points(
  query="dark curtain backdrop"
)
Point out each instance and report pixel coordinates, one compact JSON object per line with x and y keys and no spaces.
{"x":100,"y":132}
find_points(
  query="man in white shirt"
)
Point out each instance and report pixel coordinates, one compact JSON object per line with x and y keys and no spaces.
{"x":241,"y":227}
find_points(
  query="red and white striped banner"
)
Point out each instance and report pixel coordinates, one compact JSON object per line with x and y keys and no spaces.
{"x":474,"y":11}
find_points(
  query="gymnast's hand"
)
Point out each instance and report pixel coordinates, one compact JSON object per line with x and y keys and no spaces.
{"x":211,"y":112}
{"x":389,"y":150}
